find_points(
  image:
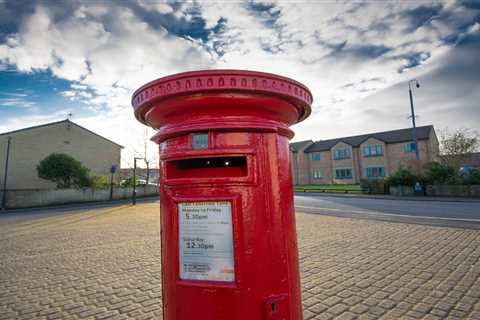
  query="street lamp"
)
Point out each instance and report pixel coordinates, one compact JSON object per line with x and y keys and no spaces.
{"x":414,"y":130}
{"x":134,"y":195}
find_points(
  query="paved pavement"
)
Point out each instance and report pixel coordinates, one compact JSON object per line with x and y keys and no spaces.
{"x":457,"y":214}
{"x":104,"y":263}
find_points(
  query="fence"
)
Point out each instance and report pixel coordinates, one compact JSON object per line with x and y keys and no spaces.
{"x":439,"y":190}
{"x":325,"y":190}
{"x":39,"y":198}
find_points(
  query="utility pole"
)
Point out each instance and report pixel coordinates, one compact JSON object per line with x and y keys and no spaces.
{"x":112,"y":171}
{"x":134,"y":194}
{"x":4,"y":194}
{"x":412,"y":110}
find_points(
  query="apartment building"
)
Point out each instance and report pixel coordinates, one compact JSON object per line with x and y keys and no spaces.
{"x":347,"y":160}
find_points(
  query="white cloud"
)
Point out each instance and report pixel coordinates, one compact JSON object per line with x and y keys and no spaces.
{"x":343,"y":51}
{"x":81,"y":49}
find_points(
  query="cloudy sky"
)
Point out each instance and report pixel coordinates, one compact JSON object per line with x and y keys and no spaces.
{"x":87,"y":58}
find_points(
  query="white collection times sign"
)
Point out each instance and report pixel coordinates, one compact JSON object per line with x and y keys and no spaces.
{"x":205,"y":241}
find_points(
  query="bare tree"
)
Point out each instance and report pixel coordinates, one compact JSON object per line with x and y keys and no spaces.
{"x":144,"y":149}
{"x":457,"y":145}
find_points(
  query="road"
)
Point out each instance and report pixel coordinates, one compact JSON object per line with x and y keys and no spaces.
{"x":32,"y":214}
{"x":453,"y":214}
{"x":430,"y":212}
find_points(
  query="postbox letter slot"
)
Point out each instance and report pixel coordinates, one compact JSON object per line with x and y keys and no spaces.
{"x":214,"y":167}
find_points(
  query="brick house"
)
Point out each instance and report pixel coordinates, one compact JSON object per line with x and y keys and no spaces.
{"x":347,"y":160}
{"x":31,"y":145}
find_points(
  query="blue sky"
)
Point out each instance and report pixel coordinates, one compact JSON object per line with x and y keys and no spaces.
{"x":87,"y":58}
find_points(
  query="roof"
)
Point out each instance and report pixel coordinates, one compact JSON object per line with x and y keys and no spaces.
{"x":393,"y":136}
{"x":58,"y":122}
{"x":296,"y":146}
{"x":466,"y":159}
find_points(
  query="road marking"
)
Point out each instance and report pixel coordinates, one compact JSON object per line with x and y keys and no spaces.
{"x":377,"y":213}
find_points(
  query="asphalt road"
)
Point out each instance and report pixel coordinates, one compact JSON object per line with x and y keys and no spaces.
{"x":452,"y":214}
{"x":32,"y":214}
{"x":462,"y":214}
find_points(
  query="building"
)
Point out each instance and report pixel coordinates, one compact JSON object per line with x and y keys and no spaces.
{"x":31,"y":145}
{"x":347,"y":160}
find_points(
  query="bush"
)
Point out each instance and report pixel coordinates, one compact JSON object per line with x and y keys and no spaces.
{"x":128,"y":183}
{"x":100,"y":182}
{"x":403,"y":177}
{"x":376,"y":186}
{"x":472,"y":177}
{"x":437,"y":173}
{"x":64,"y":170}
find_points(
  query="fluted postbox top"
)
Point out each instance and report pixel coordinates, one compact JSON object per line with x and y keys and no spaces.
{"x":205,"y":83}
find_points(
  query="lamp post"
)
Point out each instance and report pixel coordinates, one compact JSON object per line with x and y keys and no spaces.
{"x":4,"y":194}
{"x":412,"y":109}
{"x":134,"y":195}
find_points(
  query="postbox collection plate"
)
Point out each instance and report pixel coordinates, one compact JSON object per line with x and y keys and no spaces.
{"x":206,"y":241}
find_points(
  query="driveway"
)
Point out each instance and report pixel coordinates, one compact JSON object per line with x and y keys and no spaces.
{"x":104,"y":263}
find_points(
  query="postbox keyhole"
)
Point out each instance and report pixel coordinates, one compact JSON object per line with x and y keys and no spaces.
{"x":275,"y":308}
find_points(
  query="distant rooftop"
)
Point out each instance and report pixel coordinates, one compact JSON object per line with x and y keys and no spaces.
{"x":468,"y":159}
{"x":58,"y":122}
{"x":393,"y":136}
{"x":296,"y":146}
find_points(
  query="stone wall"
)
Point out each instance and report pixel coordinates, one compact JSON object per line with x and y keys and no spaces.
{"x":39,"y":198}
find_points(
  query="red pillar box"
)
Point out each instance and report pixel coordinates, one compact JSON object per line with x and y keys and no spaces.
{"x":229,"y":247}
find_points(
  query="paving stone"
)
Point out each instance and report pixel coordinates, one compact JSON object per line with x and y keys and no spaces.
{"x":346,"y":316}
{"x":318,"y":308}
{"x":307,"y":314}
{"x":105,"y":264}
{"x":352,"y":300}
{"x":338,"y":309}
{"x":360,"y":309}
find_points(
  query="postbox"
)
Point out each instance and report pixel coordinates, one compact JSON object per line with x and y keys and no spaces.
{"x":228,"y":238}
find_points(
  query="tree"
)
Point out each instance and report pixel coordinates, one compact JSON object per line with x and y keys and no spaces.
{"x":440,"y":173}
{"x":403,"y":177}
{"x":455,"y":146}
{"x":145,"y":149}
{"x":64,"y":170}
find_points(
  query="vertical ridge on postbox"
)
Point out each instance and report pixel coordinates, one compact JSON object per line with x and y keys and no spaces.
{"x":229,"y":247}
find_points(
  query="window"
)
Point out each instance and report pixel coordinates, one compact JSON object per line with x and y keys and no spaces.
{"x":409,"y":147}
{"x":345,"y":173}
{"x":315,"y":156}
{"x":317,"y":174}
{"x":200,"y":141}
{"x":375,"y":172}
{"x":340,"y":154}
{"x":373,"y":150}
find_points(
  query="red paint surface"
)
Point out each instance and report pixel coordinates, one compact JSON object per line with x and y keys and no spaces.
{"x":246,"y":114}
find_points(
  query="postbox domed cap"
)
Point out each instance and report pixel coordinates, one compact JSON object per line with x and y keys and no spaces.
{"x":214,"y":82}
